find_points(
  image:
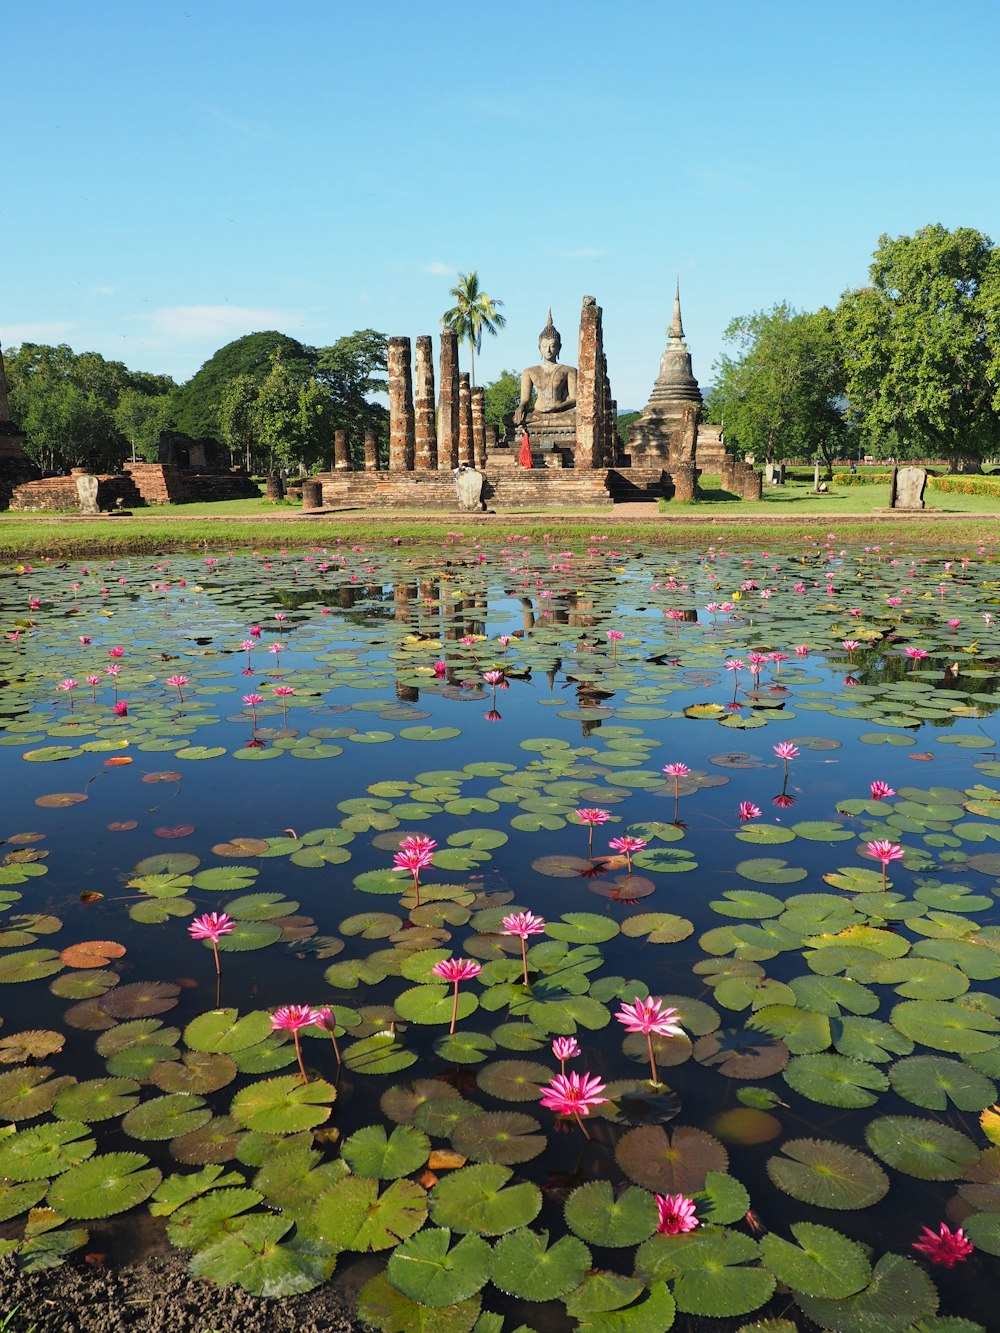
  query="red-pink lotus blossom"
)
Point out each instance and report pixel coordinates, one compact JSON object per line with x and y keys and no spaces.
{"x":916,"y":655}
{"x":119,"y":651}
{"x":523,"y":924}
{"x":252,"y":700}
{"x":292,"y":1018}
{"x":120,"y":708}
{"x":748,"y":811}
{"x":327,"y":1020}
{"x":573,"y":1094}
{"x":592,"y":815}
{"x":212,"y":927}
{"x":881,"y":790}
{"x":648,"y":1016}
{"x":456,"y":970}
{"x":565,"y":1048}
{"x":786,"y":750}
{"x":68,"y":685}
{"x":626,"y":845}
{"x":178,"y":683}
{"x":944,"y":1246}
{"x":676,"y":1214}
{"x":885,"y":851}
{"x":416,"y":853}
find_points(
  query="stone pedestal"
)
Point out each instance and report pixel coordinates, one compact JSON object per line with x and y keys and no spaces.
{"x":371,"y":451}
{"x":447,"y":414}
{"x":469,"y":484}
{"x":478,"y":404}
{"x":464,"y":420}
{"x":491,"y":439}
{"x":341,"y":451}
{"x":753,"y":483}
{"x":86,"y":489}
{"x":685,"y":478}
{"x":729,"y":475}
{"x":312,"y":494}
{"x":274,"y":488}
{"x":907,"y":489}
{"x":425,"y":432}
{"x":401,"y":423}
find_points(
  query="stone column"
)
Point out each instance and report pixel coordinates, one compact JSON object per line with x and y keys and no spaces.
{"x":491,"y":438}
{"x":425,"y":438}
{"x":341,"y":451}
{"x":312,"y":494}
{"x":729,"y":473}
{"x":371,"y":451}
{"x":447,"y":416}
{"x":478,"y":396}
{"x":589,"y":385}
{"x":4,"y":401}
{"x":401,"y":425}
{"x":753,"y":484}
{"x":685,"y":477}
{"x":464,"y":420}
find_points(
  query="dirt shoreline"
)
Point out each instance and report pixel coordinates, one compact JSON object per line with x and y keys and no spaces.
{"x":157,"y":1296}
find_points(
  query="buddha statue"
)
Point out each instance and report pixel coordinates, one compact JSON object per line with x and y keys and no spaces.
{"x":552,"y":418}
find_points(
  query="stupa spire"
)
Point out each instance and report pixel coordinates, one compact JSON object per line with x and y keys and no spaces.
{"x":676,"y":327}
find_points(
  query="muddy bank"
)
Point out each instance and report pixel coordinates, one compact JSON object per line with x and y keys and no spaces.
{"x":156,"y":1296}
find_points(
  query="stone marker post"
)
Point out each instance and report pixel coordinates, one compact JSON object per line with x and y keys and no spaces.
{"x":425,"y":437}
{"x":371,"y":451}
{"x":447,"y":416}
{"x":464,"y":420}
{"x":478,"y":396}
{"x":401,"y":424}
{"x":312,"y":494}
{"x":341,"y":451}
{"x":685,"y":477}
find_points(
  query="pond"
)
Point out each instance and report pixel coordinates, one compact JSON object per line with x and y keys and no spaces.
{"x":758,"y":788}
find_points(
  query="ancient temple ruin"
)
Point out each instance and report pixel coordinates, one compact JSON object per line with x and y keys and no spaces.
{"x":15,"y":465}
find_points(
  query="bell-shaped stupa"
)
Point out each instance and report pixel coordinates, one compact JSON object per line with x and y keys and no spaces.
{"x":667,"y":428}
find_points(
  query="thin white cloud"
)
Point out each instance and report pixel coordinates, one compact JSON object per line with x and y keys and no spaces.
{"x":103,"y":291}
{"x":39,"y":332}
{"x":583,"y":252}
{"x":438,"y":270}
{"x":211,"y":321}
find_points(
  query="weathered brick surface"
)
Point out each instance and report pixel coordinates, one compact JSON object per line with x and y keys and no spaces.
{"x":478,"y":406}
{"x":371,"y":451}
{"x":60,"y":495}
{"x":342,"y":450}
{"x":465,"y":454}
{"x":161,"y":483}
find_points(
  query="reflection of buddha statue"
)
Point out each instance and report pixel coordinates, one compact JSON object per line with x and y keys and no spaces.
{"x":554,"y":412}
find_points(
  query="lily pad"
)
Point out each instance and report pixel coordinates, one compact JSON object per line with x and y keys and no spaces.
{"x":108,"y":1184}
{"x":922,"y":1148}
{"x":525,"y":1265}
{"x":429,"y":1269}
{"x":828,"y":1174}
{"x":481,"y":1199}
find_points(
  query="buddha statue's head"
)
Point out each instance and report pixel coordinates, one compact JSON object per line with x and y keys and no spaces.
{"x":549,"y":342}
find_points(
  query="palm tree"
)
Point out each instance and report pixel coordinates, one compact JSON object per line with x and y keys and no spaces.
{"x":473,"y":312}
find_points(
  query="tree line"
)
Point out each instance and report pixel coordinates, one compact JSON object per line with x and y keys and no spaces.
{"x":907,"y":366}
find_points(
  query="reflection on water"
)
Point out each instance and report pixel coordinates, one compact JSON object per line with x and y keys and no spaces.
{"x":791,"y":969}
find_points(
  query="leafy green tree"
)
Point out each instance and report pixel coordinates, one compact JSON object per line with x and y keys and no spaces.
{"x":291,"y":418}
{"x":140,"y":417}
{"x":67,"y":404}
{"x":502,"y":396}
{"x":350,"y":370}
{"x":195,"y":405}
{"x":782,"y":394}
{"x":922,"y":346}
{"x":237,"y":420}
{"x":473,"y":314}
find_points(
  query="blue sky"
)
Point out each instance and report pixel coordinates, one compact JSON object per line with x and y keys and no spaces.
{"x":180,"y":172}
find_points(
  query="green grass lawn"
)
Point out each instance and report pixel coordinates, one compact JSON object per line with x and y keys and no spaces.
{"x":869,"y":499}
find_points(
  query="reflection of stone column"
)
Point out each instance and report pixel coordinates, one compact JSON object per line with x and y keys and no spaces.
{"x":478,"y":396}
{"x":589,"y":387}
{"x":407,"y":694}
{"x":403,"y":594}
{"x":400,"y":406}
{"x":341,"y":451}
{"x":425,"y":439}
{"x":464,"y":420}
{"x":447,"y":417}
{"x":371,"y":451}
{"x":346,"y":596}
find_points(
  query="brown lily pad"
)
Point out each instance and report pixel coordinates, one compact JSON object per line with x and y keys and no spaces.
{"x":92,"y":953}
{"x":239,"y":847}
{"x":58,"y":800}
{"x":140,"y":999}
{"x":670,"y":1163}
{"x":737,"y":1053}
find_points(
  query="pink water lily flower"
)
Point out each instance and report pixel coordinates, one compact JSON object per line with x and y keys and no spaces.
{"x":573,"y":1094}
{"x":293,"y":1018}
{"x":252,"y":700}
{"x":456,"y":970}
{"x":676,"y":1214}
{"x":523,"y":924}
{"x":626,"y":845}
{"x":885,"y":851}
{"x":650,"y":1016}
{"x":416,"y":853}
{"x":944,"y":1246}
{"x":881,"y":791}
{"x":565,"y":1048}
{"x":592,"y":815}
{"x":749,"y":811}
{"x":178,"y":683}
